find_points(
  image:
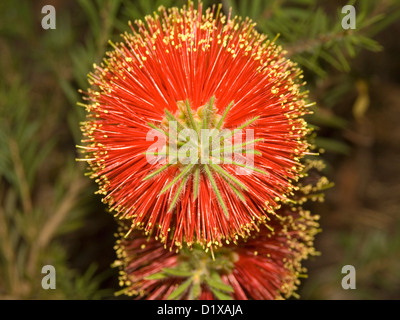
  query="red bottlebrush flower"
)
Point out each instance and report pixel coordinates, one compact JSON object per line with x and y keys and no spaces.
{"x":265,"y":266}
{"x":182,"y":72}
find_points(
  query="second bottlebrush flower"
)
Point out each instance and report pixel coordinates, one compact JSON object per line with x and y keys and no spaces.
{"x":195,"y":127}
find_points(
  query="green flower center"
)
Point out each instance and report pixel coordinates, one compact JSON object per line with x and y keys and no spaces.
{"x":198,"y":269}
{"x":197,"y":145}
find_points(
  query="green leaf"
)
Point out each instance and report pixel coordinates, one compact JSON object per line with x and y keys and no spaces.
{"x":216,"y":282}
{"x":196,"y":290}
{"x":332,"y":145}
{"x":328,"y":120}
{"x":220,"y":295}
{"x":180,"y":175}
{"x":92,"y":14}
{"x":231,"y":4}
{"x":190,"y":114}
{"x":180,"y":290}
{"x":207,"y":113}
{"x":224,"y":115}
{"x":216,"y":191}
{"x":154,"y":173}
{"x":226,"y":174}
{"x":235,"y":190}
{"x":177,"y":272}
{"x":196,"y":182}
{"x":171,"y":117}
{"x":255,"y":8}
{"x":247,"y":167}
{"x":178,"y":192}
{"x":316,"y":23}
{"x":156,"y":276}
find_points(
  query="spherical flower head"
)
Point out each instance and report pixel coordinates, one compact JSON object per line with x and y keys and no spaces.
{"x":265,"y":266}
{"x":195,"y":128}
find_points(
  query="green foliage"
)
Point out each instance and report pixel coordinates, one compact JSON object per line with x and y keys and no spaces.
{"x":375,"y":256}
{"x":43,"y":193}
{"x":311,"y":31}
{"x":34,"y":207}
{"x":180,"y":290}
{"x":216,"y":283}
{"x":198,"y":269}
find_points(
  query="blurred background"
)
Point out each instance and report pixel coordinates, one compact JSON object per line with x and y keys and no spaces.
{"x":49,"y":213}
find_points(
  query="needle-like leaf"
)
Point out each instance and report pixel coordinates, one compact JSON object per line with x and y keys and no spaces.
{"x":221,"y":121}
{"x":182,"y":174}
{"x":178,"y":192}
{"x":196,"y":182}
{"x":216,"y":191}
